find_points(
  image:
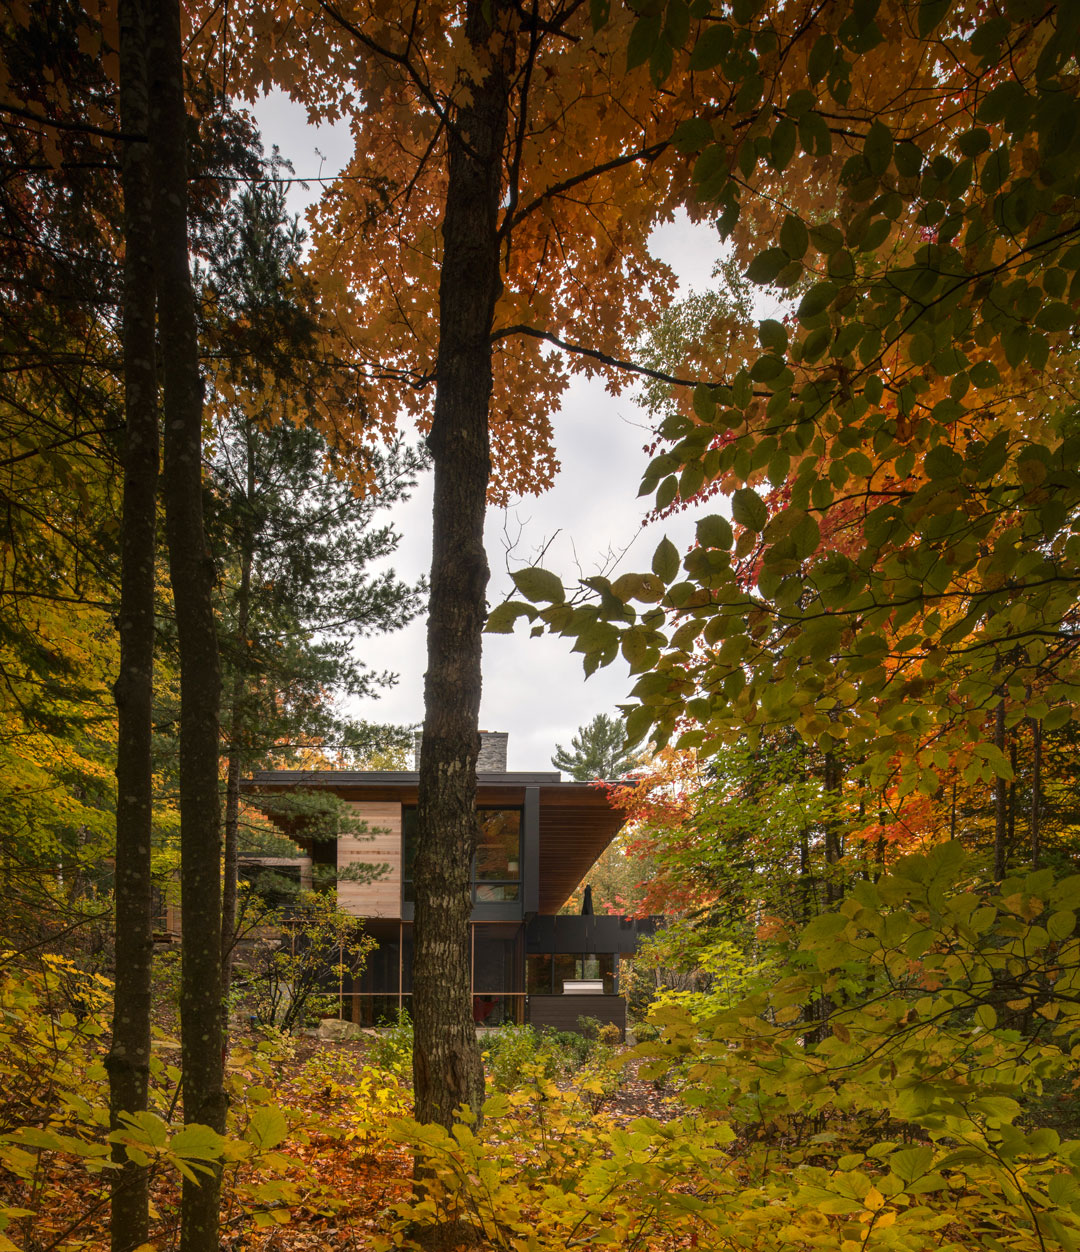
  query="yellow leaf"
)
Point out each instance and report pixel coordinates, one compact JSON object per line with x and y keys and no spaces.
{"x":874,"y":1199}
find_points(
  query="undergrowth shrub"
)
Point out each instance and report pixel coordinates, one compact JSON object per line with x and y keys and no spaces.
{"x":55,"y":1141}
{"x":391,"y":1048}
{"x":872,"y":1099}
{"x":514,"y":1052}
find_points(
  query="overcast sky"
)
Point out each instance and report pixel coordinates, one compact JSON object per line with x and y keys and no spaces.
{"x":533,"y":688}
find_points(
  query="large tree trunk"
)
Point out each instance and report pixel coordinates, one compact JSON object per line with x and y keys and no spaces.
{"x":192,"y":576}
{"x":447,"y":1068}
{"x":128,"y":1062}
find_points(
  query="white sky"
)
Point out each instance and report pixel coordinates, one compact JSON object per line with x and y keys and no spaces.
{"x":533,"y":688}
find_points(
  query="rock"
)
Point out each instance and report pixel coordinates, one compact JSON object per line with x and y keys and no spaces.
{"x":336,"y":1030}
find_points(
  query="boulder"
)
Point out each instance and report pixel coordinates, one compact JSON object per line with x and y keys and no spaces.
{"x":336,"y":1030}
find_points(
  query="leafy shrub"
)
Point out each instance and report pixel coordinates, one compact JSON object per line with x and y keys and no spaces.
{"x":318,"y":942}
{"x":570,"y":1049}
{"x":875,"y":1092}
{"x":514,"y":1053}
{"x":609,"y":1034}
{"x":391,"y":1049}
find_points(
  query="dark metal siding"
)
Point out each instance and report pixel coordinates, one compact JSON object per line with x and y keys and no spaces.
{"x":562,"y":1012}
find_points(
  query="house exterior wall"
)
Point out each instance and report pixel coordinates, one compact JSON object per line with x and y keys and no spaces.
{"x":381,"y":845}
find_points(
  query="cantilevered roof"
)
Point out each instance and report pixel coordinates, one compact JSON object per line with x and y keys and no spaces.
{"x":577,"y":820}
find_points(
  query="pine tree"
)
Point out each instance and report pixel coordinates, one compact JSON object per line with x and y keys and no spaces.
{"x":598,"y":750}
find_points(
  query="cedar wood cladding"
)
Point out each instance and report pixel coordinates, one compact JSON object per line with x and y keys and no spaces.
{"x":380,"y":845}
{"x":576,"y":823}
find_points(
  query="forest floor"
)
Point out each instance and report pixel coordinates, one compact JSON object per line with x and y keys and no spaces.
{"x":369,"y":1175}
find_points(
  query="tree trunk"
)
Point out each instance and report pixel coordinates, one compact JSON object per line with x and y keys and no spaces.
{"x":237,"y":732}
{"x":834,"y":890}
{"x":1036,"y":792}
{"x":447,"y":1069}
{"x":1001,"y":810}
{"x":191,"y":573}
{"x":128,"y":1062}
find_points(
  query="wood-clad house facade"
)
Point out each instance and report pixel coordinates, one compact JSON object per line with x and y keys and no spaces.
{"x":539,"y":838}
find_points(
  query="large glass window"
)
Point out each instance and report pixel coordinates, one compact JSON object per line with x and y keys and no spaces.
{"x":545,"y":975}
{"x":496,"y":868}
{"x":496,"y":973}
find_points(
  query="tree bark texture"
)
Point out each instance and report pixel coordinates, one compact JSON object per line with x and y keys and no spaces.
{"x":128,"y":1061}
{"x":191,"y":573}
{"x":1001,"y":801}
{"x":1036,"y":792}
{"x":447,"y":1068}
{"x":834,"y":890}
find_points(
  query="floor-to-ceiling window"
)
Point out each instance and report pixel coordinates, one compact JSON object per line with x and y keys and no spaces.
{"x":496,"y":867}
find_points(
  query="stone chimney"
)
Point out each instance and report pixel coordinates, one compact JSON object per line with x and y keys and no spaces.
{"x":492,"y":758}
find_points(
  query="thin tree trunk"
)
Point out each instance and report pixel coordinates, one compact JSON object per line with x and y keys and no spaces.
{"x":128,"y":1062}
{"x":1036,"y":792}
{"x":1001,"y":805}
{"x":447,"y":1068}
{"x":833,"y":888}
{"x":806,"y":882}
{"x":192,"y":575}
{"x":237,"y":732}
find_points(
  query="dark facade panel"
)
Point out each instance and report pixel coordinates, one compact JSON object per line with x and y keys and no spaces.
{"x":562,"y":1012}
{"x":593,"y":933}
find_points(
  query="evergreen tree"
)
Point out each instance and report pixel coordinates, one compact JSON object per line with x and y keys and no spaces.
{"x":292,"y":519}
{"x":598,"y":750}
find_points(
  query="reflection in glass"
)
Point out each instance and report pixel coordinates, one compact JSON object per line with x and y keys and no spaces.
{"x":496,"y":869}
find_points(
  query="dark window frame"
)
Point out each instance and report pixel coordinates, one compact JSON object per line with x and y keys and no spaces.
{"x":499,"y":905}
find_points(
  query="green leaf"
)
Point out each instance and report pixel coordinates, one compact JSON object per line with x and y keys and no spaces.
{"x":816,"y":300}
{"x":931,"y":13}
{"x":773,"y":335}
{"x":878,"y":148}
{"x":712,"y":46}
{"x":203,"y":1143}
{"x":539,"y":584}
{"x":643,"y":39}
{"x":503,"y":617}
{"x":665,"y":562}
{"x":785,"y":136}
{"x":599,"y":12}
{"x":667,"y":491}
{"x":749,"y":510}
{"x":714,"y":531}
{"x":794,"y":237}
{"x":821,"y":58}
{"x":943,"y":462}
{"x":692,"y":135}
{"x":677,"y":26}
{"x":766,"y":265}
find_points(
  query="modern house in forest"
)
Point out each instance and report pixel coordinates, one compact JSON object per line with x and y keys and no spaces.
{"x":539,"y":838}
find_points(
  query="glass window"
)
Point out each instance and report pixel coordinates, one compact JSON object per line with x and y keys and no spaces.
{"x":499,"y":850}
{"x":577,"y":965}
{"x":495,"y":958}
{"x":538,"y":974}
{"x":496,"y":870}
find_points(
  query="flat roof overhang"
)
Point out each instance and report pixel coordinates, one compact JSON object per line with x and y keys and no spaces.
{"x":577,"y":820}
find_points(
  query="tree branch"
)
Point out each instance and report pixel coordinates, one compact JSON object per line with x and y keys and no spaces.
{"x":631,"y":367}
